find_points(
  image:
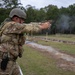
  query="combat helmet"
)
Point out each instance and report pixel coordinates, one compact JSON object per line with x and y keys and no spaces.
{"x":18,"y":12}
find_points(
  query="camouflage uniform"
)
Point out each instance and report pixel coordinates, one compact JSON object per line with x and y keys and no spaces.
{"x":12,"y":40}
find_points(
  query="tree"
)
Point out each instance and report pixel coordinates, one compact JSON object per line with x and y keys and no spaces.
{"x":30,"y":11}
{"x":41,"y":15}
{"x":71,"y":10}
{"x":10,"y":3}
{"x":64,"y":11}
{"x":52,"y":12}
{"x":72,"y":25}
{"x":62,"y":23}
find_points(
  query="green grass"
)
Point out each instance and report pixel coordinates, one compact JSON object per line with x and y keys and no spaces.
{"x":61,"y":37}
{"x":67,"y":48}
{"x":35,"y":62}
{"x":63,"y":47}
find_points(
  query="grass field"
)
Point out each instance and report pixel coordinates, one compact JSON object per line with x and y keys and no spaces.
{"x":67,"y":48}
{"x":35,"y":62}
{"x":61,"y":37}
{"x":63,"y":47}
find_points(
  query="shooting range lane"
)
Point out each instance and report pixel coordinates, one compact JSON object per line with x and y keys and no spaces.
{"x":51,"y":50}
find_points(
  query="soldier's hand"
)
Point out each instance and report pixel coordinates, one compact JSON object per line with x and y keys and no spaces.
{"x":45,"y":25}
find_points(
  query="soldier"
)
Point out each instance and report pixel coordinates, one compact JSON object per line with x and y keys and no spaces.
{"x":12,"y":39}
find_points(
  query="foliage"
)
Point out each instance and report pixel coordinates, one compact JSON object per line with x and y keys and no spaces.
{"x":4,"y":13}
{"x":62,"y":17}
{"x":9,"y":3}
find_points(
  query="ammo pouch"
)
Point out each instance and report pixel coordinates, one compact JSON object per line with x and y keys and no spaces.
{"x":4,"y":61}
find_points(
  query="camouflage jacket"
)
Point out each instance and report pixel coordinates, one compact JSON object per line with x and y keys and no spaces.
{"x":12,"y":37}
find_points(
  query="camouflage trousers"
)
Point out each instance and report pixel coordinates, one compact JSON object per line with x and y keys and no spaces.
{"x":12,"y":69}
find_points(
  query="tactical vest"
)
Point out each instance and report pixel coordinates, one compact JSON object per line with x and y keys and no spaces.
{"x":2,"y":25}
{"x":18,"y":42}
{"x":1,"y":31}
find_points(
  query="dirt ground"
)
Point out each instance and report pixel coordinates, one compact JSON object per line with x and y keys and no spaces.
{"x":61,"y":59}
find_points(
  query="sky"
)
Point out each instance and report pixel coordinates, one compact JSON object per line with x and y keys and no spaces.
{"x":42,"y":3}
